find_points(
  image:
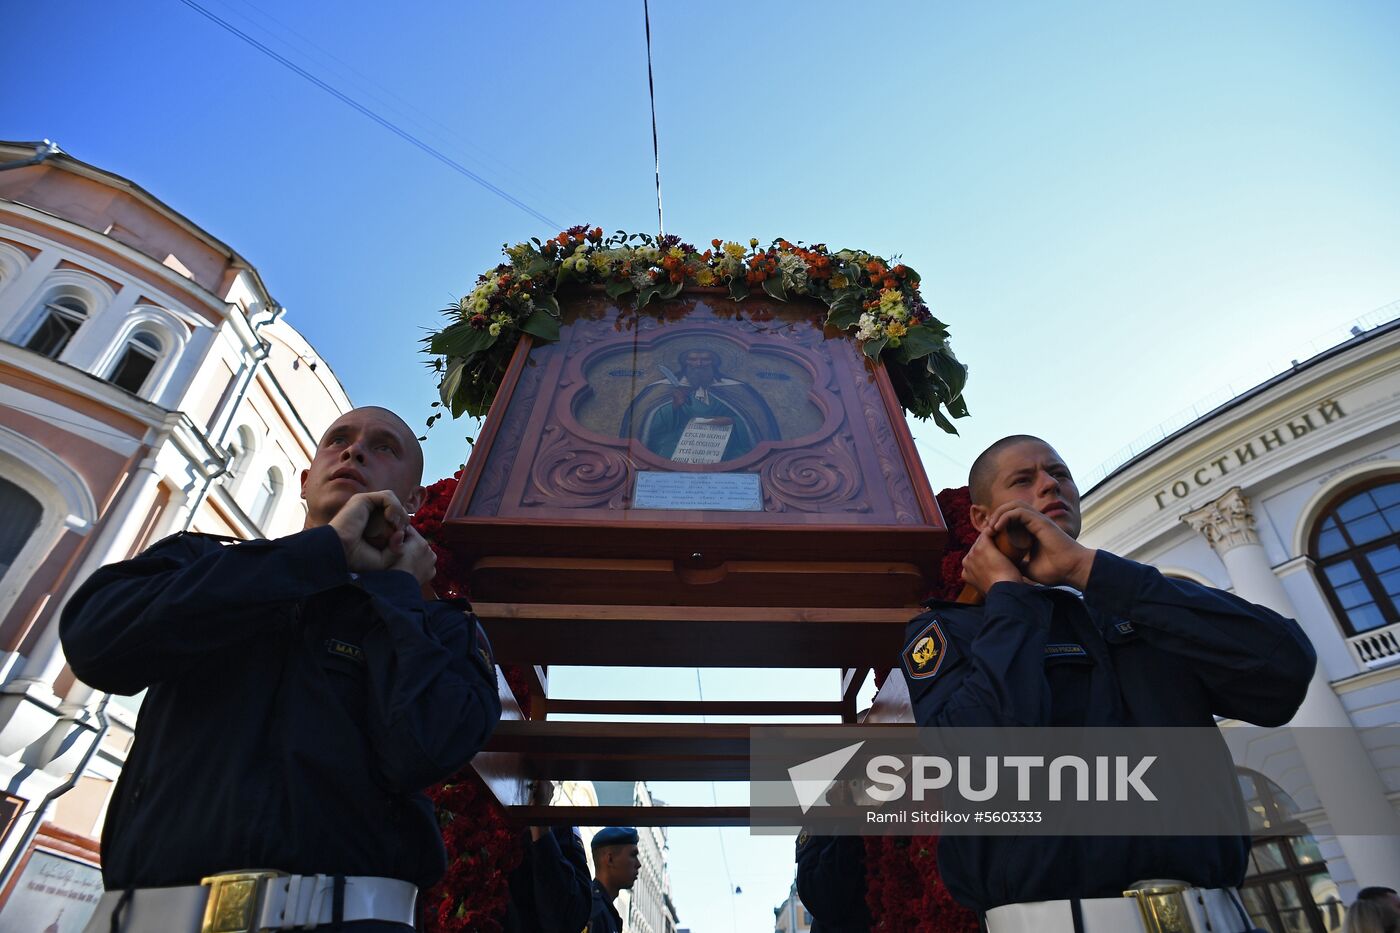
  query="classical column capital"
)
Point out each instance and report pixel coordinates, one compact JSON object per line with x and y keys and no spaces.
{"x":1226,"y":523}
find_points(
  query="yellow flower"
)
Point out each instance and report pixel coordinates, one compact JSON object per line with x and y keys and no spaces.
{"x":676,"y":252}
{"x":734,"y":250}
{"x":839,"y":281}
{"x":754,"y":242}
{"x":896,"y":329}
{"x":705,"y":277}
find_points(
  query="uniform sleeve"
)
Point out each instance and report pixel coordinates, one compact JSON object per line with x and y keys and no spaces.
{"x":1254,"y":663}
{"x":561,"y":885}
{"x":144,"y":620}
{"x":831,"y":879}
{"x":992,"y":668}
{"x":433,"y":696}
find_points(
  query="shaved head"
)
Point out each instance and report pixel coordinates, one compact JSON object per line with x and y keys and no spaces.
{"x":413,"y":450}
{"x":984,"y":468}
{"x":364,"y":450}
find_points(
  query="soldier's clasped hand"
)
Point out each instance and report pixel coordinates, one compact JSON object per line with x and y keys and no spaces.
{"x":378,"y":515}
{"x":1055,"y":558}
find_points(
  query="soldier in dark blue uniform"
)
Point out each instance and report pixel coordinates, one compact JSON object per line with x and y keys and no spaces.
{"x":1076,"y":637}
{"x":550,"y":891}
{"x":301,"y":694}
{"x":616,"y":864}
{"x":831,"y":882}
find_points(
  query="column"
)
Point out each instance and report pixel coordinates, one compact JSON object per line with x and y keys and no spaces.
{"x":1342,"y":772}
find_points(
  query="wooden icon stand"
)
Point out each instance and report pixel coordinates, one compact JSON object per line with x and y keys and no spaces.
{"x":707,"y":484}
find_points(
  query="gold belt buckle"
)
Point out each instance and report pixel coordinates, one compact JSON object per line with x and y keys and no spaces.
{"x":235,"y":899}
{"x":1163,"y":906}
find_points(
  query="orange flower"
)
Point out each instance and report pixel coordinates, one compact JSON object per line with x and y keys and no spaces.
{"x":716,"y":243}
{"x":677,"y":276}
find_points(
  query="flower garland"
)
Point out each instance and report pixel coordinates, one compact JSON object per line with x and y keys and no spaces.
{"x":482,"y":848}
{"x":873,"y":300}
{"x":904,"y":891}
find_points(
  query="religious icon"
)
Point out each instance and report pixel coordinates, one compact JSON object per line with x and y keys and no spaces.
{"x":698,"y":414}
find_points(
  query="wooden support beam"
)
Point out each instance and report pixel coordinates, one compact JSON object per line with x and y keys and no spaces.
{"x":698,"y":707}
{"x":852,"y":679}
{"x":629,"y":816}
{"x":625,"y":751}
{"x":689,"y":636}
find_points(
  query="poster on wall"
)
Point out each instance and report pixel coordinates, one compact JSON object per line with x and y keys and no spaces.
{"x":54,"y":894}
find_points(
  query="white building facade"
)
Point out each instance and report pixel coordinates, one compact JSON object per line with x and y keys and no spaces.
{"x":148,"y":385}
{"x":1289,"y":496}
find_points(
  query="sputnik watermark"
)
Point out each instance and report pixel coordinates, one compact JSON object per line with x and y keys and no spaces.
{"x":995,"y":780}
{"x":1116,"y":778}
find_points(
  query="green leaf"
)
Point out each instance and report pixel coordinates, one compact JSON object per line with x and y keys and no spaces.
{"x":645,"y":295}
{"x":550,"y":304}
{"x":671,"y":290}
{"x":541,"y":324}
{"x":943,"y":422}
{"x":738,"y":288}
{"x":958,"y":407}
{"x":460,"y":340}
{"x":843,"y":320}
{"x":949,"y":373}
{"x":872,"y":348}
{"x":451,"y":381}
{"x":918,"y":342}
{"x":459,"y":404}
{"x":561,"y":277}
{"x":774,"y":287}
{"x":617,"y":288}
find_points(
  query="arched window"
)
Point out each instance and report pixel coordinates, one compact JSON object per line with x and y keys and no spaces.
{"x":1356,"y":546}
{"x":1287,"y":888}
{"x":58,"y":322}
{"x":22,"y":513}
{"x":240,"y":451}
{"x":269,"y":491}
{"x":135,"y":362}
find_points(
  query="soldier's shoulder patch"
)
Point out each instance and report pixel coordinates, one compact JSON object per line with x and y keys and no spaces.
{"x":1124,"y":628}
{"x":802,"y":839}
{"x":1065,"y":650}
{"x":923,"y":656}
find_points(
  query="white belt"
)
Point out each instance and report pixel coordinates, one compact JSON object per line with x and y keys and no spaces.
{"x":1213,"y":909}
{"x":242,"y":902}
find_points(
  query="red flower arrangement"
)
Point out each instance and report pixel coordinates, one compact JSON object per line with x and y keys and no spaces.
{"x":905,"y":892}
{"x":482,"y":847}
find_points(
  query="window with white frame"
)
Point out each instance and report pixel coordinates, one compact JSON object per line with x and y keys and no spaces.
{"x":22,"y":513}
{"x":269,"y":491}
{"x":1356,"y":546}
{"x":240,"y":451}
{"x":135,"y":361}
{"x":58,"y":322}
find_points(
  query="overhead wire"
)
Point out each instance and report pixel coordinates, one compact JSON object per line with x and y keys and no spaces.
{"x":714,"y":798}
{"x":395,"y":104}
{"x":371,"y":114}
{"x":655,"y":147}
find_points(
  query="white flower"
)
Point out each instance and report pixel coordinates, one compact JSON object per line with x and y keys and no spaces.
{"x":869,"y":327}
{"x":495,"y":329}
{"x":641,"y":280}
{"x":794,"y":271}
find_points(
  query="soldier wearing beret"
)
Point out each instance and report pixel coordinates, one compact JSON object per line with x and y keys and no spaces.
{"x":616,"y":864}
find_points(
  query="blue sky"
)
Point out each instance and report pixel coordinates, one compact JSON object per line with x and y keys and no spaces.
{"x":1118,"y":208}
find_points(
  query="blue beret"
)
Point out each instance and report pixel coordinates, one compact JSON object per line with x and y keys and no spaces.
{"x":615,"y":836}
